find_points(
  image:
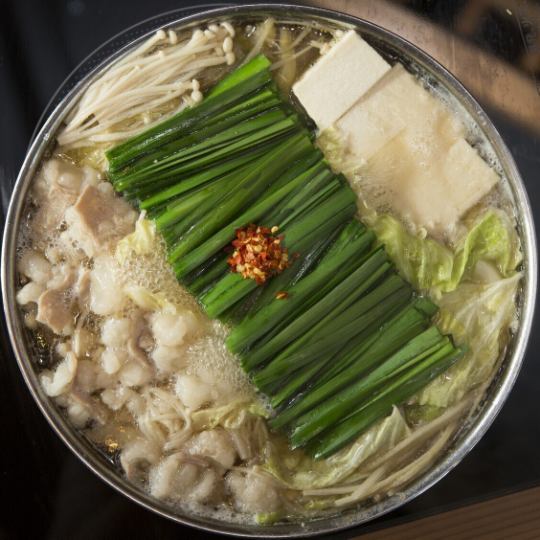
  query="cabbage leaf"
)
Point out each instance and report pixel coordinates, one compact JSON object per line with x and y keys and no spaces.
{"x":299,"y":471}
{"x":230,"y":416}
{"x":141,"y":241}
{"x":149,"y":301}
{"x":433,"y":267}
{"x":478,"y":316}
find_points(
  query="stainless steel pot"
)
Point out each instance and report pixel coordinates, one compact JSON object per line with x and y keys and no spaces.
{"x":393,"y":47}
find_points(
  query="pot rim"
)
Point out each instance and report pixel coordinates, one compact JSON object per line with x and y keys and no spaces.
{"x":495,"y":397}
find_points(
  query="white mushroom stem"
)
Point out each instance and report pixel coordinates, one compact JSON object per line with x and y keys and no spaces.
{"x":263,"y":33}
{"x":421,"y":434}
{"x":363,"y":489}
{"x":405,"y":474}
{"x":301,"y":52}
{"x":300,"y":37}
{"x":144,"y":81}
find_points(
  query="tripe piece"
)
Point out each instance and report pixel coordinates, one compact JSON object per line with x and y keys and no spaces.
{"x":397,"y":102}
{"x":339,"y":79}
{"x":98,"y":218}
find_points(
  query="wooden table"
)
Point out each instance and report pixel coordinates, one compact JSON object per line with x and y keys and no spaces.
{"x":515,"y":516}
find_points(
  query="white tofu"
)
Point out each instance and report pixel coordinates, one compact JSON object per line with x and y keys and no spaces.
{"x":433,"y":195}
{"x":339,"y":79}
{"x":395,"y":103}
{"x":417,"y":162}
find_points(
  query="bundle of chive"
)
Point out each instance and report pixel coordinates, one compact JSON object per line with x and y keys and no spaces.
{"x":336,"y":339}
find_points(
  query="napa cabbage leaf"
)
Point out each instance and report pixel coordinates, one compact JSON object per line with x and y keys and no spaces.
{"x":148,"y":300}
{"x":299,"y":471}
{"x":230,"y":416}
{"x":141,"y":241}
{"x":479,"y":316}
{"x":433,"y":267}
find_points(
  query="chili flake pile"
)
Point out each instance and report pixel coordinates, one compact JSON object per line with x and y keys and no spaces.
{"x":258,"y":253}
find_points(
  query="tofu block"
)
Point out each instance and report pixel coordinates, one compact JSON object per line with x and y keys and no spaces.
{"x":435,"y":194}
{"x":339,"y":79}
{"x":395,"y":103}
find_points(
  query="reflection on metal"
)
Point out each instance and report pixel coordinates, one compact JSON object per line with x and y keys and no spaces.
{"x":523,"y":18}
{"x":492,"y":81}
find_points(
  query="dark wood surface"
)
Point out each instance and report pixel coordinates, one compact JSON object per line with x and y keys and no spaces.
{"x":515,"y":517}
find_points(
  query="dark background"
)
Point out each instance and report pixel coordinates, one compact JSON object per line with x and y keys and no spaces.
{"x":45,"y":492}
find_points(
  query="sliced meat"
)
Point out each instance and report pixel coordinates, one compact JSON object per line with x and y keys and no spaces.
{"x":135,"y":373}
{"x":54,"y":310}
{"x":137,"y":456}
{"x":172,"y":330}
{"x":55,"y":304}
{"x":69,"y":178}
{"x":177,"y":478}
{"x":193,"y":392}
{"x":56,"y":189}
{"x":116,"y":332}
{"x":99,"y":218}
{"x":112,"y":359}
{"x":118,"y":396}
{"x":82,"y":288}
{"x":82,"y":408}
{"x":168,"y":359}
{"x":123,"y":335}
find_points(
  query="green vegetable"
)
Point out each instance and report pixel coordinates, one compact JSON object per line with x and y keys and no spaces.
{"x":308,"y":290}
{"x":163,"y":173}
{"x":429,"y":265}
{"x":193,"y":181}
{"x":401,"y":327}
{"x":207,"y":274}
{"x":196,"y":203}
{"x":381,"y":405}
{"x":339,"y":406}
{"x":390,"y":338}
{"x":235,"y":88}
{"x":232,"y":287}
{"x":306,"y":253}
{"x":477,"y":315}
{"x":233,"y":184}
{"x":214,"y":133}
{"x":161,"y":165}
{"x":334,"y":333}
{"x":250,"y":187}
{"x":347,"y":336}
{"x":349,"y":289}
{"x":259,"y":64}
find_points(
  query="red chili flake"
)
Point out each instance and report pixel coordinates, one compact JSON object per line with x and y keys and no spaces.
{"x":258,"y":253}
{"x":282,"y":294}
